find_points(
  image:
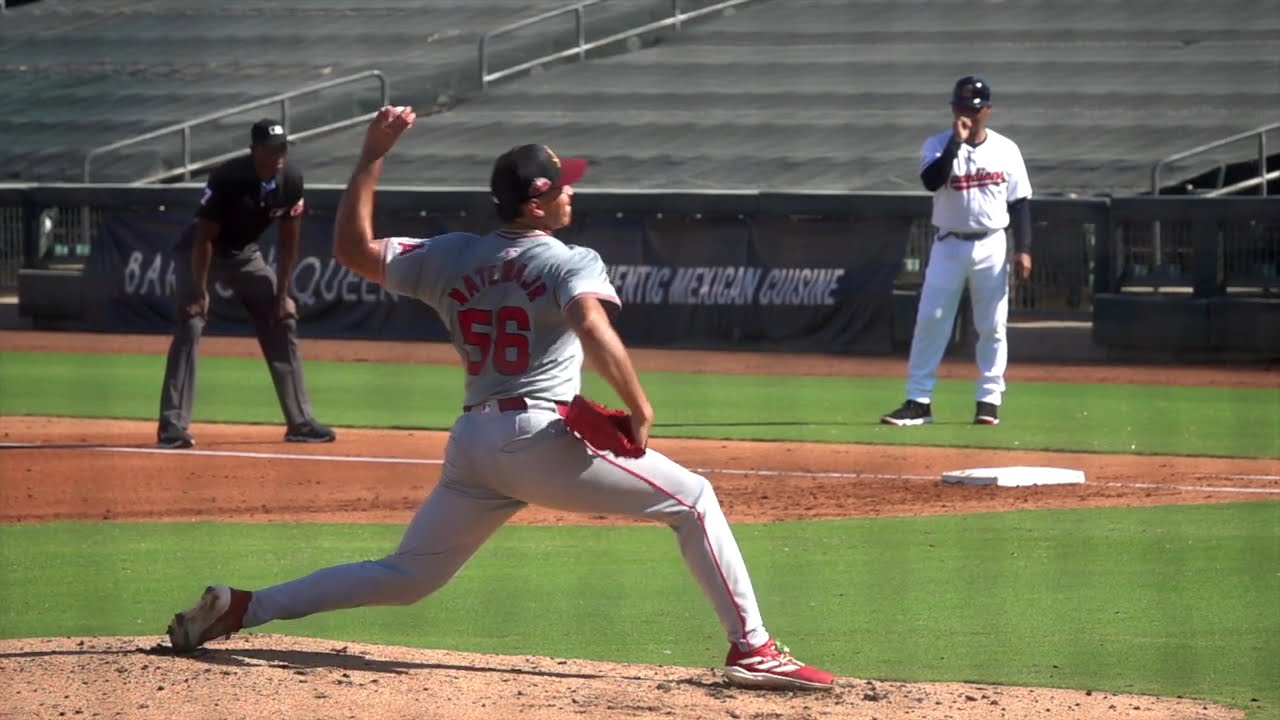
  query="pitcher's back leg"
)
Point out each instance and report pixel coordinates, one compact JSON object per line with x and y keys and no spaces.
{"x":453,"y":522}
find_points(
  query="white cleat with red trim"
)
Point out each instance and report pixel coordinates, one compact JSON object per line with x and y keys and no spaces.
{"x":771,"y":666}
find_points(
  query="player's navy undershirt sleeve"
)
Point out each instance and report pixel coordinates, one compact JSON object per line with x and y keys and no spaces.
{"x":936,"y":173}
{"x":1020,"y":212}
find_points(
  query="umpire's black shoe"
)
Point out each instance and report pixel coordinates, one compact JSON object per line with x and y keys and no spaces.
{"x":310,"y":432}
{"x":911,"y":413}
{"x":987,"y":414}
{"x":175,"y":440}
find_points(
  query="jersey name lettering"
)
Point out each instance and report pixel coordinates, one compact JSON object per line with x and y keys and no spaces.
{"x":978,"y":178}
{"x":490,"y":275}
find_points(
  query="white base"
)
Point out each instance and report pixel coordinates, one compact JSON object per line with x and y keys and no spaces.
{"x":1019,"y":476}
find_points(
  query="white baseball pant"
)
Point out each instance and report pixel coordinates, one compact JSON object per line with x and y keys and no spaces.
{"x":952,"y":263}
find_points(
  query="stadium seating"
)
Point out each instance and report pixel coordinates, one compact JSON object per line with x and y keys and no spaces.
{"x":802,"y":94}
{"x":81,"y":74}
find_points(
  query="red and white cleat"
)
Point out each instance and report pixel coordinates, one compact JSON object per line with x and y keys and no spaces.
{"x":771,"y":666}
{"x":219,"y":612}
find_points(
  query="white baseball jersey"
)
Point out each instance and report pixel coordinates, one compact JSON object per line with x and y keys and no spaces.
{"x":502,"y":296}
{"x":984,"y":180}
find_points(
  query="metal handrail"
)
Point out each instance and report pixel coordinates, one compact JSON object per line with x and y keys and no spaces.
{"x":1261,"y":132}
{"x":579,"y":10}
{"x":483,"y":48}
{"x":282,"y":98}
{"x":1245,"y":185}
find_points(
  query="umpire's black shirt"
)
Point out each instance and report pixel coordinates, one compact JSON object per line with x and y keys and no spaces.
{"x":244,"y":206}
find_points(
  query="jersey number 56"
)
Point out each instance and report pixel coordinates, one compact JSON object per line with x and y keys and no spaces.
{"x":498,"y":334}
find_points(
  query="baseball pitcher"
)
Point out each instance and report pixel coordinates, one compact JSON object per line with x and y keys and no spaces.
{"x":523,"y":310}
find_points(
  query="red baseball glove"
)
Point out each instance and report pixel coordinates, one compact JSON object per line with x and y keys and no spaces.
{"x":602,"y":428}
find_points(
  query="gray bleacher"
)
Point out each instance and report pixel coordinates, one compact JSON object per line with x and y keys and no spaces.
{"x":779,"y":94}
{"x":839,"y":94}
{"x":76,"y":74}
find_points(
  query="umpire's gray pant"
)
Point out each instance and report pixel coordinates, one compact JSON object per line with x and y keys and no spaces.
{"x":254,"y":285}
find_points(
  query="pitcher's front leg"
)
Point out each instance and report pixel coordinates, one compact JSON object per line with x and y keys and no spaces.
{"x":559,"y":472}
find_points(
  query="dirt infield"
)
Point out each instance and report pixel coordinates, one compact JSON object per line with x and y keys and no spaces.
{"x":61,"y":469}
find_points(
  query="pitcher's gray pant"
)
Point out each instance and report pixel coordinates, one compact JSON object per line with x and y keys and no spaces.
{"x":254,"y":285}
{"x":495,"y":464}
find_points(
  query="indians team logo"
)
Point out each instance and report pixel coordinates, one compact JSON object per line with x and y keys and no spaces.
{"x":555,"y":159}
{"x":976,"y":179}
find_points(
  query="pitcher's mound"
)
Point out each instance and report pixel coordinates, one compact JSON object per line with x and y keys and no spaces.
{"x":281,"y":677}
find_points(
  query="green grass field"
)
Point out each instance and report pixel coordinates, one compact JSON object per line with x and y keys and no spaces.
{"x":1168,"y":600}
{"x":1235,"y":422}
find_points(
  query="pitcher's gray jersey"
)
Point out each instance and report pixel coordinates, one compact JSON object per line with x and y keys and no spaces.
{"x":501,"y":295}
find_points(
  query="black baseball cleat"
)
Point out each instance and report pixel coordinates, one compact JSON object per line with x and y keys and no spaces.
{"x":911,"y":413}
{"x":175,"y":440}
{"x":310,"y":432}
{"x":987,"y":414}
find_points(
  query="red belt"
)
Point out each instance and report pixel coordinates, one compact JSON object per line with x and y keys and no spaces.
{"x":517,"y":403}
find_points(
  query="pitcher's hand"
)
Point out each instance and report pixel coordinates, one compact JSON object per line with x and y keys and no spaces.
{"x":961,"y":128}
{"x":387,"y":126}
{"x":641,"y":423}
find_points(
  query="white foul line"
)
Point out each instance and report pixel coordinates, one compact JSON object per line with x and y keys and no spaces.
{"x":802,"y":473}
{"x":1241,"y":477}
{"x":710,"y":471}
{"x":1194,"y":488}
{"x":239,"y":453}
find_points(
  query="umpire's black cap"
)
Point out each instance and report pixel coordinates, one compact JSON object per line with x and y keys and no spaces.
{"x":268,"y":133}
{"x":526,"y":172}
{"x":971,"y":91}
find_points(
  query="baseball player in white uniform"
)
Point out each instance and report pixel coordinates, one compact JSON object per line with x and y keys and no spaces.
{"x":979,"y":183}
{"x":522,"y":309}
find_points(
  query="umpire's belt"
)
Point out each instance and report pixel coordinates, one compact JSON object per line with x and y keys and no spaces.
{"x":970,"y":236}
{"x":514,"y":404}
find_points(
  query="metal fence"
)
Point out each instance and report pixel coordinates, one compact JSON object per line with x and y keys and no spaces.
{"x":11,"y":222}
{"x":1081,"y":246}
{"x":1251,"y":257}
{"x":1193,"y":246}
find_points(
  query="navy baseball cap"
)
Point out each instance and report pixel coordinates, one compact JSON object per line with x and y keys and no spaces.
{"x":269,"y":133}
{"x":971,"y":91}
{"x":529,"y":171}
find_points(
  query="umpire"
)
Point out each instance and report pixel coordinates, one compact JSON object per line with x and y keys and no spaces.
{"x":242,"y":198}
